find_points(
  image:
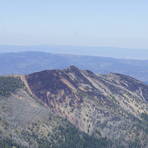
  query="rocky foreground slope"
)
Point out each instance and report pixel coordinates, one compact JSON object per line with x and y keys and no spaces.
{"x":73,"y":108}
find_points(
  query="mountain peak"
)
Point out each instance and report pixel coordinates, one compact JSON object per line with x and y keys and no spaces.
{"x":73,"y":68}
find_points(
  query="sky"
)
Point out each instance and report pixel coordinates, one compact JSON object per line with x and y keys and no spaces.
{"x":113,"y":23}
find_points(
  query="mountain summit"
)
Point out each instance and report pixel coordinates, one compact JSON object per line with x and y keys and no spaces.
{"x":112,"y":106}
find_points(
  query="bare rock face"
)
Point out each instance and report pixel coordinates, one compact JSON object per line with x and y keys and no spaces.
{"x":100,"y":105}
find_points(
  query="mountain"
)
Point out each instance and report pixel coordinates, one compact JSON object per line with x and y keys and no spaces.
{"x":25,"y":122}
{"x":28,"y":62}
{"x":73,"y":108}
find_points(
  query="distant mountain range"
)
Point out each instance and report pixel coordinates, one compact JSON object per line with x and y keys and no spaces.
{"x":73,"y":108}
{"x":28,"y":62}
{"x":114,"y":52}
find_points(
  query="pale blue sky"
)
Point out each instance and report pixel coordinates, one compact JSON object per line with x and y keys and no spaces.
{"x":118,"y":23}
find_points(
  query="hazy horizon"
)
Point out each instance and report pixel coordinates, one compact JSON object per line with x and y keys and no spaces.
{"x":75,"y":23}
{"x":113,"y":52}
